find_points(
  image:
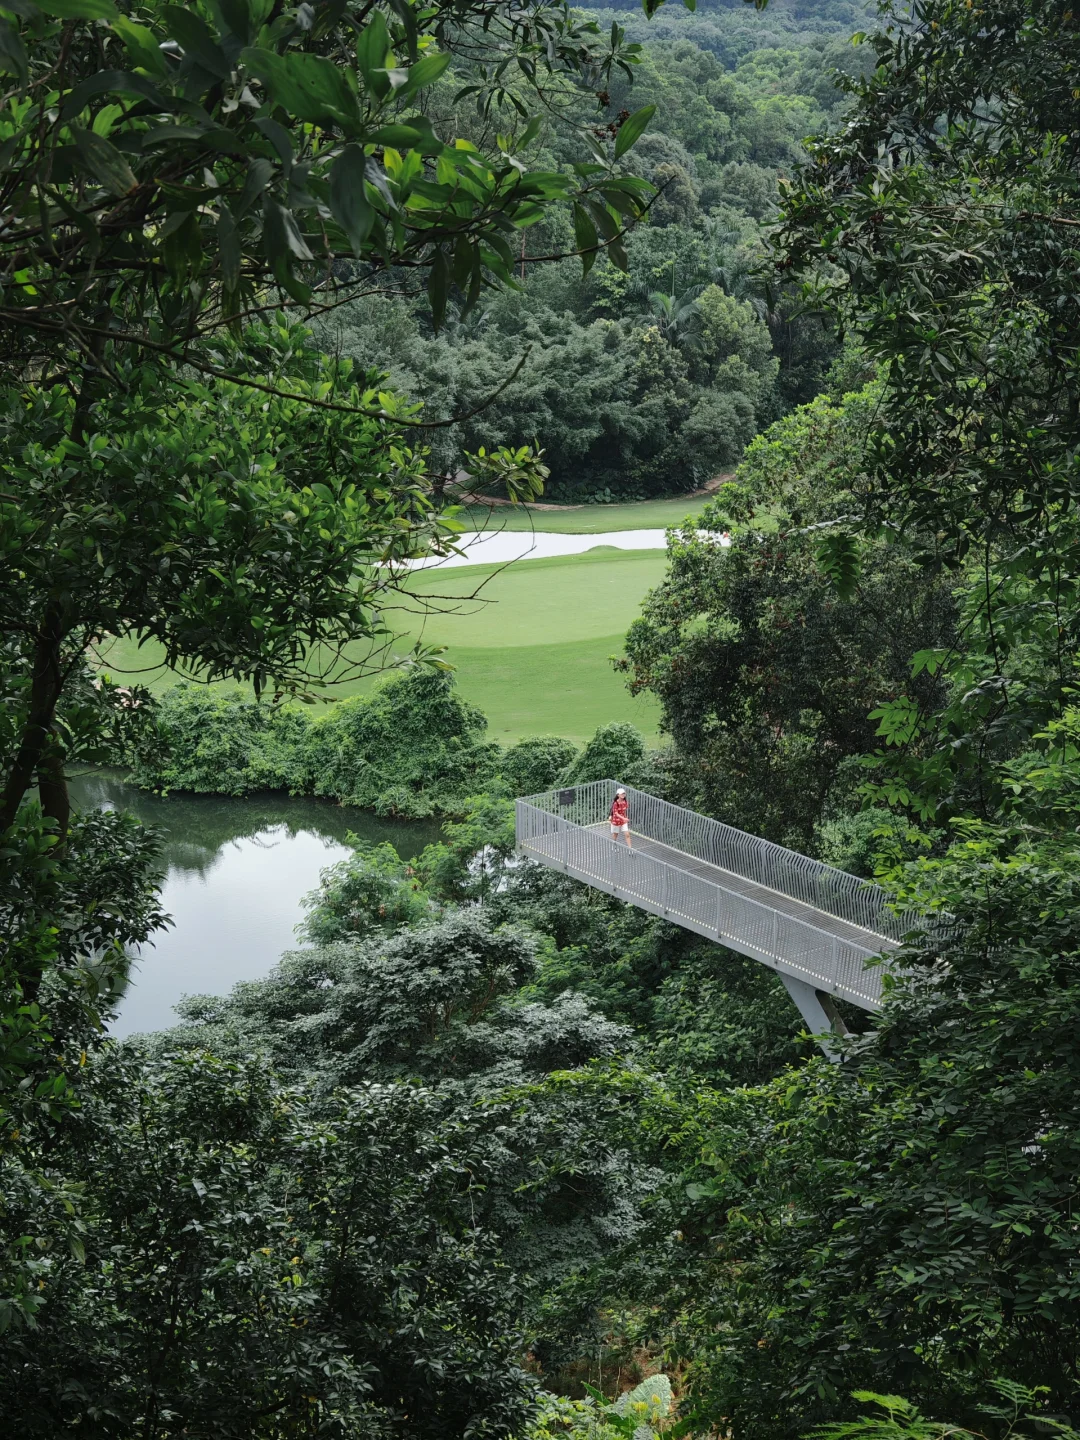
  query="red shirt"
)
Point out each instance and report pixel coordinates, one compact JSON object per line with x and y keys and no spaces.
{"x":619,"y":810}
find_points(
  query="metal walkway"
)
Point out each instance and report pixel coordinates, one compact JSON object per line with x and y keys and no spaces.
{"x":815,"y":925}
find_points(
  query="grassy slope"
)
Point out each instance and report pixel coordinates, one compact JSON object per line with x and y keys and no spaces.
{"x":532,"y":650}
{"x":586,"y":519}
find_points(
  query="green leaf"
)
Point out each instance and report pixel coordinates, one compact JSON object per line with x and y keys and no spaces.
{"x":111,"y":82}
{"x":141,"y":44}
{"x":13,"y":59}
{"x":585,"y":238}
{"x":425,"y":72}
{"x":405,"y":13}
{"x":371,"y":52}
{"x":259,"y":174}
{"x":282,"y":240}
{"x":191,"y":34}
{"x":348,"y":201}
{"x":529,"y":134}
{"x":83,"y":223}
{"x":103,"y":161}
{"x":79,"y":9}
{"x":228,"y":238}
{"x":840,"y":561}
{"x":701,"y":1191}
{"x":237,"y":17}
{"x":438,"y":287}
{"x":181,"y":246}
{"x":632,"y":129}
{"x":307,"y":86}
{"x":401,"y":137}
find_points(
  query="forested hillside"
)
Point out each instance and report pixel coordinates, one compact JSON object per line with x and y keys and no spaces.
{"x":650,"y":379}
{"x":489,"y":1154}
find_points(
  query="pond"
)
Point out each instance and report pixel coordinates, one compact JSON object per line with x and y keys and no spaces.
{"x":236,"y":871}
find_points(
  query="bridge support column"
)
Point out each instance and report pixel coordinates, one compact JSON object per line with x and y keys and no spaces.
{"x":818,"y":1010}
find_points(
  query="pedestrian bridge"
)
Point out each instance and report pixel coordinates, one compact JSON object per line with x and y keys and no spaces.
{"x":817,"y":926}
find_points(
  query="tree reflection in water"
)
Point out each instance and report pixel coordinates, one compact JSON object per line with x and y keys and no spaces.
{"x":235,"y":871}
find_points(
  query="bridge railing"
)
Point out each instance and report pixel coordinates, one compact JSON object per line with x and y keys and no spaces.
{"x":812,"y":882}
{"x":566,"y":828}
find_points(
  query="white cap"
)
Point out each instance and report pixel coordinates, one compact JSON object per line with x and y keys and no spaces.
{"x":620,"y":791}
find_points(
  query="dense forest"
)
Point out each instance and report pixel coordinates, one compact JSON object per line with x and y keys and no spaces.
{"x":650,"y":378}
{"x":490,"y":1153}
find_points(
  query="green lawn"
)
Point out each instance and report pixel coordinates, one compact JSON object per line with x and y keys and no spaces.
{"x":586,"y":519}
{"x":530,"y":642}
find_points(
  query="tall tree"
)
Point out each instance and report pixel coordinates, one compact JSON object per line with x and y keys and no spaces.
{"x":170,"y":174}
{"x":940,"y":226}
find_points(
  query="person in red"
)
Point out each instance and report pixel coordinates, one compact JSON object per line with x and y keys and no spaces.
{"x":620,"y":817}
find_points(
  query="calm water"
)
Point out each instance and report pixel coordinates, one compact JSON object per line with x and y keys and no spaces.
{"x":236,"y":872}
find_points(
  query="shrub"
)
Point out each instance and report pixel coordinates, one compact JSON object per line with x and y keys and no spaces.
{"x":224,"y":742}
{"x":372,"y":890}
{"x":612,"y":753}
{"x":413,"y":748}
{"x":534,"y":764}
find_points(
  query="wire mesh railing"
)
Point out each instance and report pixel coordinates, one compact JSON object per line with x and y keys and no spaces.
{"x":796,"y":914}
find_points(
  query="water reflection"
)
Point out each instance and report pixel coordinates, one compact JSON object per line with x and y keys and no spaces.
{"x":236,"y":871}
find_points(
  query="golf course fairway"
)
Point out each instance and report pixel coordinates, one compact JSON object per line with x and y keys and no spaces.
{"x":530,"y":643}
{"x":586,"y":519}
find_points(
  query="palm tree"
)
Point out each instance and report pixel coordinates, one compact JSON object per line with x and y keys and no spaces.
{"x":677,"y":315}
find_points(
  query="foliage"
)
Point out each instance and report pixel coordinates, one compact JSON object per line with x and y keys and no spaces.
{"x":613,"y":752}
{"x":372,"y":890}
{"x":437,"y":1001}
{"x":306,"y":145}
{"x":615,"y":421}
{"x":559,"y":1178}
{"x":535,"y":763}
{"x":562,"y":1419}
{"x":938,"y":225}
{"x":68,"y":917}
{"x":612,"y":404}
{"x":471,"y":861}
{"x":222,"y":742}
{"x":252,"y":1264}
{"x":640,"y":1413}
{"x":766,"y":674}
{"x":412,"y":748}
{"x":236,"y":531}
{"x":898,"y":1419}
{"x":926,"y":1183}
{"x":172,"y":177}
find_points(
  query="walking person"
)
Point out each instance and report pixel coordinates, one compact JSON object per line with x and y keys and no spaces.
{"x":620,"y":817}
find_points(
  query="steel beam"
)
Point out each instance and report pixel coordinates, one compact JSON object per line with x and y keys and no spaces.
{"x":818,"y":1010}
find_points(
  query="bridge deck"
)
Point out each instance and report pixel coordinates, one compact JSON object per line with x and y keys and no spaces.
{"x":753,"y":897}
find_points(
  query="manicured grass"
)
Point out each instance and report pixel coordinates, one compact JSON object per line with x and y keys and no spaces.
{"x":538,"y":602}
{"x":531,"y":643}
{"x":567,"y":690}
{"x":586,"y":519}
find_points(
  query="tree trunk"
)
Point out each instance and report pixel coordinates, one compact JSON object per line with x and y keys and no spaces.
{"x":53,"y":786}
{"x":45,"y":686}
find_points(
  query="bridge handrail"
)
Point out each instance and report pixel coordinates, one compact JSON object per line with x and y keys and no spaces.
{"x":718,"y":885}
{"x":792,"y":944}
{"x":798,"y":877}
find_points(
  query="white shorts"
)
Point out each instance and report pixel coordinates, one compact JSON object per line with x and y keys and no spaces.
{"x":620,"y":829}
